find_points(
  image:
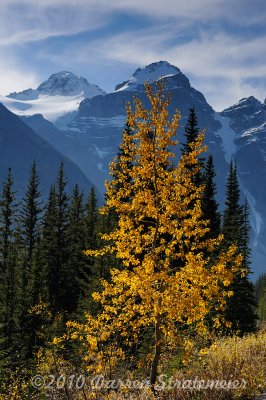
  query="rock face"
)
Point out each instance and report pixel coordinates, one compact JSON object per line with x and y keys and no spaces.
{"x":20,"y":145}
{"x":91,"y":135}
{"x":248,"y":120}
{"x":247,"y":114}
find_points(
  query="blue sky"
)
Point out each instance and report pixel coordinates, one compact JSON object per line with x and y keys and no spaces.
{"x":219,"y":44}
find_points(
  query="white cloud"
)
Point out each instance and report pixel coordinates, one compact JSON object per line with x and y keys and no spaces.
{"x":207,"y":59}
{"x":31,"y":20}
{"x":208,"y":55}
{"x":14,"y":75}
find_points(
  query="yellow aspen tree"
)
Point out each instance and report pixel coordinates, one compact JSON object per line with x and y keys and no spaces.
{"x":167,"y":280}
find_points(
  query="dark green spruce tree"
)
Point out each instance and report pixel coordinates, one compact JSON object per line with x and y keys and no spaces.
{"x":58,"y":267}
{"x":55,"y":246}
{"x":49,"y":246}
{"x":118,"y":170}
{"x":8,"y":273}
{"x":191,"y":134}
{"x":191,"y":131}
{"x":77,"y":261}
{"x":31,"y":272}
{"x":241,"y":307}
{"x":210,"y":207}
{"x":260,"y":288}
{"x":31,"y":211}
{"x":91,"y":219}
{"x":94,"y":268}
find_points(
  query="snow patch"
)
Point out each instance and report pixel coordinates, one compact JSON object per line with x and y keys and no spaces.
{"x":101,"y":152}
{"x":100,"y":165}
{"x":256,"y":220}
{"x":51,"y":107}
{"x":254,"y":131}
{"x":227,"y":135}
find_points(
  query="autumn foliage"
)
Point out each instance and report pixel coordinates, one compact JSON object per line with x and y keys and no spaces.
{"x":167,"y":279}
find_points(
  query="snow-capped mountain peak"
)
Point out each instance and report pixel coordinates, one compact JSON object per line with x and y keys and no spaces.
{"x":247,"y":118}
{"x":67,"y":84}
{"x":60,"y":94}
{"x":247,"y":103}
{"x":150,"y":73}
{"x":62,"y":83}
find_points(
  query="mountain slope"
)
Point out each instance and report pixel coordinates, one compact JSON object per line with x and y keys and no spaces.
{"x":248,"y":121}
{"x":20,"y":145}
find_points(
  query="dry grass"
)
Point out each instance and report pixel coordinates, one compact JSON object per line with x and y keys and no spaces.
{"x":229,"y":359}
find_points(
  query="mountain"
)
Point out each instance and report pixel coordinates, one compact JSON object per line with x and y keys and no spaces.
{"x":248,"y":122}
{"x":62,"y":83}
{"x":91,"y":136}
{"x":91,"y":139}
{"x":20,"y":145}
{"x":101,"y":119}
{"x":61,"y":94}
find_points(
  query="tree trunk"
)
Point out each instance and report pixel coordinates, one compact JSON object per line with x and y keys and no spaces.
{"x":157,"y":355}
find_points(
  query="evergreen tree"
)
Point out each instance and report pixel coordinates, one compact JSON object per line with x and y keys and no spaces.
{"x":76,"y":244}
{"x":233,"y":213}
{"x":244,"y":237}
{"x":209,"y":203}
{"x":7,"y":261}
{"x":94,"y":270}
{"x":49,"y":248}
{"x":65,"y":276}
{"x":241,"y":306}
{"x":191,"y":134}
{"x":57,"y":227}
{"x":262,"y":305}
{"x":260,"y":285}
{"x":91,"y":218}
{"x":120,"y":165}
{"x":30,"y":274}
{"x":260,"y":290}
{"x":31,"y":209}
{"x":191,"y":131}
{"x":9,"y":295}
{"x":7,"y":217}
